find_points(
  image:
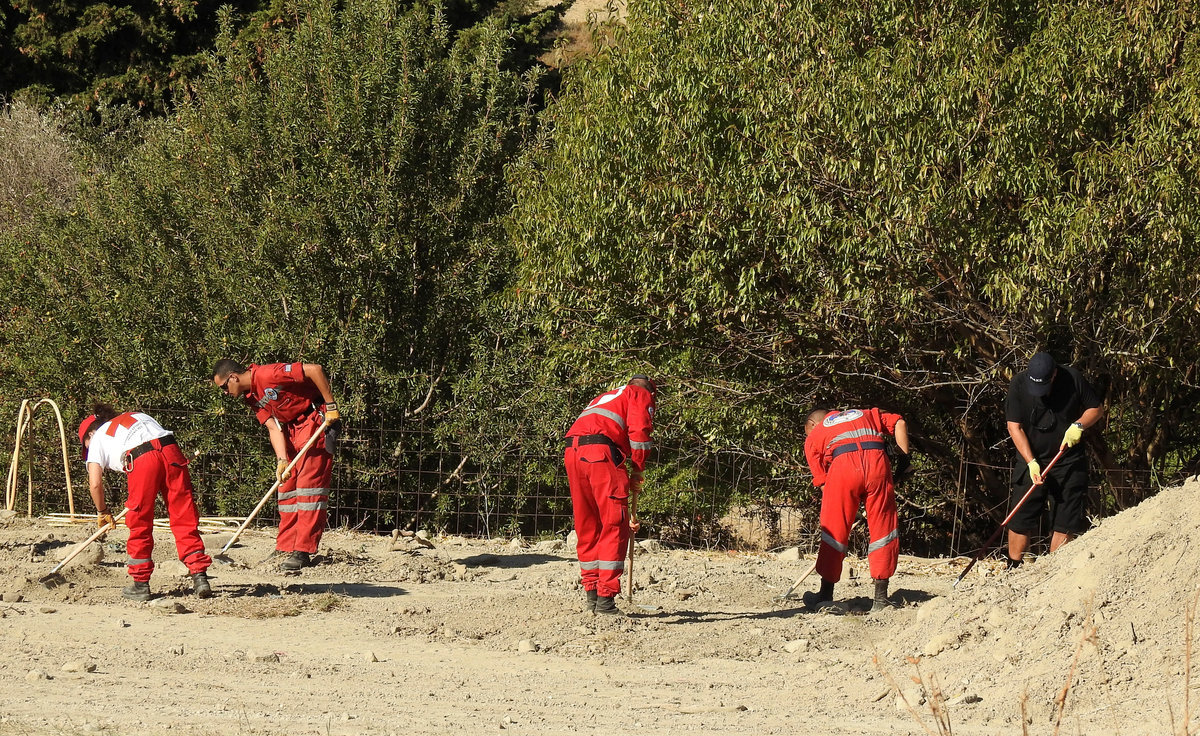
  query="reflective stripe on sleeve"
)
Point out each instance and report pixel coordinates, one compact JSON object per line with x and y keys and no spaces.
{"x":877,"y":545}
{"x":291,"y":508}
{"x":827,"y":538}
{"x":640,"y":445}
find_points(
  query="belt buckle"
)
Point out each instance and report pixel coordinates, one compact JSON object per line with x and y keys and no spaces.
{"x":127,"y":461}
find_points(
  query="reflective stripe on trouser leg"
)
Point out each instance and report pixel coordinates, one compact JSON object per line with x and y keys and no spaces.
{"x":146,"y":478}
{"x":882,"y":519}
{"x":304,"y":507}
{"x":599,"y":492}
{"x":182,"y":513}
{"x":586,"y":515}
{"x":839,"y":504}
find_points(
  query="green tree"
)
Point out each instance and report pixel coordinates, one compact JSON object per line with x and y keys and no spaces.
{"x":878,"y":203}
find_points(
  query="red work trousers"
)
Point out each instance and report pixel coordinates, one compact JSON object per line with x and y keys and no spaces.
{"x":162,"y":471}
{"x":855,"y":478}
{"x":600,"y":502}
{"x":304,"y":497}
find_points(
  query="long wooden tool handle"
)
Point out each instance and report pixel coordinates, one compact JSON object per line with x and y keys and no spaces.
{"x":267,"y":496}
{"x":84,"y":544}
{"x":632,"y":517}
{"x":987,"y":546}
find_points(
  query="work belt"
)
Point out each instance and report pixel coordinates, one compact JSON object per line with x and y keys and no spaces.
{"x":142,"y":449}
{"x":856,"y":446}
{"x":618,"y":456}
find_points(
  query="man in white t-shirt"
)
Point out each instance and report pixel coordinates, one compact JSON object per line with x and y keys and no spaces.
{"x":135,"y":444}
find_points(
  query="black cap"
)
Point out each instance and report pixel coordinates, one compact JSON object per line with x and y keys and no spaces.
{"x":1041,"y":371}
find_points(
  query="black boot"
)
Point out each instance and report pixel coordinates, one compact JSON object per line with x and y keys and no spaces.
{"x":1011,"y":564}
{"x":590,"y":605}
{"x":201,"y":585}
{"x":882,"y":602}
{"x":136,"y":591}
{"x":822,"y":600}
{"x":607,"y":605}
{"x":295,"y":561}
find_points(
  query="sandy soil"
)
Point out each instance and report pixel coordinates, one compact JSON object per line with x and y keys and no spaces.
{"x":488,"y":637}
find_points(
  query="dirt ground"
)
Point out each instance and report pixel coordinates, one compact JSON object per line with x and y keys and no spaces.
{"x":488,"y":637}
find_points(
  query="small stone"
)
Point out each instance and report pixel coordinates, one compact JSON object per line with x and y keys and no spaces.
{"x":650,"y":546}
{"x":370,"y":657}
{"x":173,"y":568}
{"x":122,"y":624}
{"x":666,"y":660}
{"x":7,"y":515}
{"x":35,"y":675}
{"x":550,"y":545}
{"x":683,"y":595}
{"x":791,"y":554}
{"x":79,"y":666}
{"x":517,"y":543}
{"x":526,"y":645}
{"x":964,"y":699}
{"x":93,"y":554}
{"x":460,"y":570}
{"x":169,"y":605}
{"x":422,"y":534}
{"x":11,"y":597}
{"x":796,"y":645}
{"x":47,"y":609}
{"x":572,"y":540}
{"x":262,"y":656}
{"x":939,"y":644}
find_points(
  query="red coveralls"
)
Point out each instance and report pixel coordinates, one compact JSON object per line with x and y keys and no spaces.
{"x":846,"y":455}
{"x":614,"y":426}
{"x":280,"y":393}
{"x":158,"y":468}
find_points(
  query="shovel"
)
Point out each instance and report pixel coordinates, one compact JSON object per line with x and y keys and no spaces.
{"x":802,"y":578}
{"x":221,"y":556}
{"x":53,"y":579}
{"x":987,"y":546}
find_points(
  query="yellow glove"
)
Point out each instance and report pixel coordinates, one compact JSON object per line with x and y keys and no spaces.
{"x":1073,"y":434}
{"x":281,"y":470}
{"x":1035,"y":472}
{"x":104,"y":520}
{"x":331,"y":412}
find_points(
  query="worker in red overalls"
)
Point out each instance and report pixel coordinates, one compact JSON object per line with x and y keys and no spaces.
{"x":135,"y":444}
{"x":846,"y":453}
{"x":293,"y":400}
{"x":614,"y":427}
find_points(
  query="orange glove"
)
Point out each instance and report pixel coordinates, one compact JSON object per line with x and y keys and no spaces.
{"x":281,"y":470}
{"x":104,"y":520}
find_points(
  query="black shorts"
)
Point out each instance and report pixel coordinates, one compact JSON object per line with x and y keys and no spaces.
{"x":1067,"y":485}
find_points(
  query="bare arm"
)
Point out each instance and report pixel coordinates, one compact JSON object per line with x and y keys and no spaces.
{"x":1020,"y":441}
{"x":316,"y":374}
{"x":1091,"y":416}
{"x":278,"y":441}
{"x":901,"y":435}
{"x":96,"y":487}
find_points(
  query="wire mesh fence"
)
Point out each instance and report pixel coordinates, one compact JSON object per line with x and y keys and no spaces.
{"x":400,"y":473}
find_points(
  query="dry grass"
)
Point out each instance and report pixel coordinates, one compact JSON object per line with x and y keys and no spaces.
{"x":37,"y":166}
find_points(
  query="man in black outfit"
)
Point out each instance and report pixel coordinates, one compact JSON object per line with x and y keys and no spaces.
{"x":1049,"y":407}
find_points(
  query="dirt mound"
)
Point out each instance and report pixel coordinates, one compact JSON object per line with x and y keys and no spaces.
{"x":1107,"y":613}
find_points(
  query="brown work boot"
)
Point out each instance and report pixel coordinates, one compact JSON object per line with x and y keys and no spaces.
{"x":607,"y":606}
{"x":136,"y":591}
{"x":295,"y":561}
{"x":201,"y":585}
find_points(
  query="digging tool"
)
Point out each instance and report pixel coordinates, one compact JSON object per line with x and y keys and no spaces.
{"x":221,"y":556}
{"x":53,"y":579}
{"x":987,"y":546}
{"x":632,"y":546}
{"x":809,"y":571}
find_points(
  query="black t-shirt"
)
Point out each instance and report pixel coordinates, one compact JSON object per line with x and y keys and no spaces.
{"x":1046,"y":418}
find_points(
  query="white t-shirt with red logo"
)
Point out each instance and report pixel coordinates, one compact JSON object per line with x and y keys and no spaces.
{"x":124,"y":432}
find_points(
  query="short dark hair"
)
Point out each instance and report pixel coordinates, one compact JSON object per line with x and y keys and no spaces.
{"x":816,"y":415}
{"x":225,"y":366}
{"x":104,"y":413}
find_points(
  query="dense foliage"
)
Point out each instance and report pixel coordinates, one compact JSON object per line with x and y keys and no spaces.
{"x":837,"y":203}
{"x":769,"y":206}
